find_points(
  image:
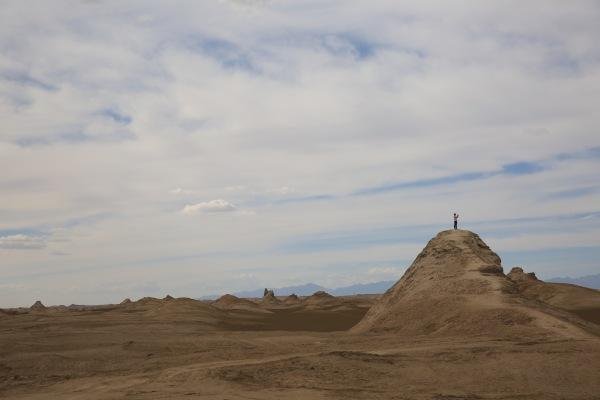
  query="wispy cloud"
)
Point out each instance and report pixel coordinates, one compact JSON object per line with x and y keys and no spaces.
{"x":180,"y":191}
{"x":226,"y":53}
{"x":522,"y":168}
{"x":212,"y":206}
{"x":116,"y":116}
{"x":25,"y":79}
{"x":73,"y":138}
{"x":303,"y":199}
{"x":444,"y":180}
{"x":21,"y":242}
{"x":348,"y":45}
{"x":574,"y":193}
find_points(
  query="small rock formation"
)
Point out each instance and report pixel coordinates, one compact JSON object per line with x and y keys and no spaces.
{"x":126,"y":301}
{"x":169,"y":297}
{"x":265,"y":292}
{"x":517,"y":274}
{"x":38,"y":306}
{"x":269,"y":297}
{"x":291,"y":299}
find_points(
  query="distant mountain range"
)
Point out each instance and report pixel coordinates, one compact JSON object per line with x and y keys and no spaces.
{"x":591,"y":281}
{"x":310,"y":288}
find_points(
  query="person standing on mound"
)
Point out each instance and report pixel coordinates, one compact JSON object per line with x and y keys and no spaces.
{"x":455,"y":221}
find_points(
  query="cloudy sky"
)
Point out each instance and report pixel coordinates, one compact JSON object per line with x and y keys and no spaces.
{"x":199,"y":147}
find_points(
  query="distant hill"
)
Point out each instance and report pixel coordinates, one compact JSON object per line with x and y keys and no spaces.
{"x":590,"y":281}
{"x":310,"y":288}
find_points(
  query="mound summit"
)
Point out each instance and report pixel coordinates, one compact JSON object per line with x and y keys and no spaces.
{"x":38,"y":306}
{"x":292,"y":299}
{"x":456,"y":286}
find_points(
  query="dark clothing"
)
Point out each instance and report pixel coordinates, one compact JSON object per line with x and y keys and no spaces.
{"x":455,"y":224}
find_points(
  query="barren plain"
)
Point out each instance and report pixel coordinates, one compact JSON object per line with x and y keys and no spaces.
{"x":455,"y":326}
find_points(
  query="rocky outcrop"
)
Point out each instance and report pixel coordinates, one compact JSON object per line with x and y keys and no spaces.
{"x":270,"y":299}
{"x":517,"y":274}
{"x":38,"y":306}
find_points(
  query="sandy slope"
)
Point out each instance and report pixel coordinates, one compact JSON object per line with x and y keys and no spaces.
{"x":456,"y":286}
{"x":581,"y":301}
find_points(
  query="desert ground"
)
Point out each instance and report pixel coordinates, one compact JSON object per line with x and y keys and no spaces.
{"x":455,"y":326}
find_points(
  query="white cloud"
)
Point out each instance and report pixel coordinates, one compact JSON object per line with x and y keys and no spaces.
{"x":212,"y":206}
{"x":21,"y":242}
{"x":283,"y":190}
{"x":180,"y":191}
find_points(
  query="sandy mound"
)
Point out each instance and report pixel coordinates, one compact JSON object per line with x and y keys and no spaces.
{"x":175,"y":309}
{"x":581,"y":301}
{"x":226,"y":301}
{"x":181,"y":309}
{"x":455,"y":286}
{"x":324,"y":301}
{"x":291,"y":299}
{"x":319,"y":297}
{"x":168,"y":297}
{"x":231,"y":302}
{"x":148,"y":301}
{"x":38,"y":306}
{"x":126,"y":301}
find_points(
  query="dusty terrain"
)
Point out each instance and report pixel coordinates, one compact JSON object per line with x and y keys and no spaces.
{"x":454,"y":327}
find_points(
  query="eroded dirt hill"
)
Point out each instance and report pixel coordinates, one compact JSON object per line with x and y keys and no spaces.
{"x":456,"y":286}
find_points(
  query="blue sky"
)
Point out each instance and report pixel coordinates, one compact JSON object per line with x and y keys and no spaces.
{"x":194,"y":148}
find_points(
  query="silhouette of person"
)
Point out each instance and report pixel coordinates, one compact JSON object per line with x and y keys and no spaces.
{"x":455,"y":221}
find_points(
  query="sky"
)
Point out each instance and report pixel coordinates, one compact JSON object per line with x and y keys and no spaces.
{"x":203,"y":147}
